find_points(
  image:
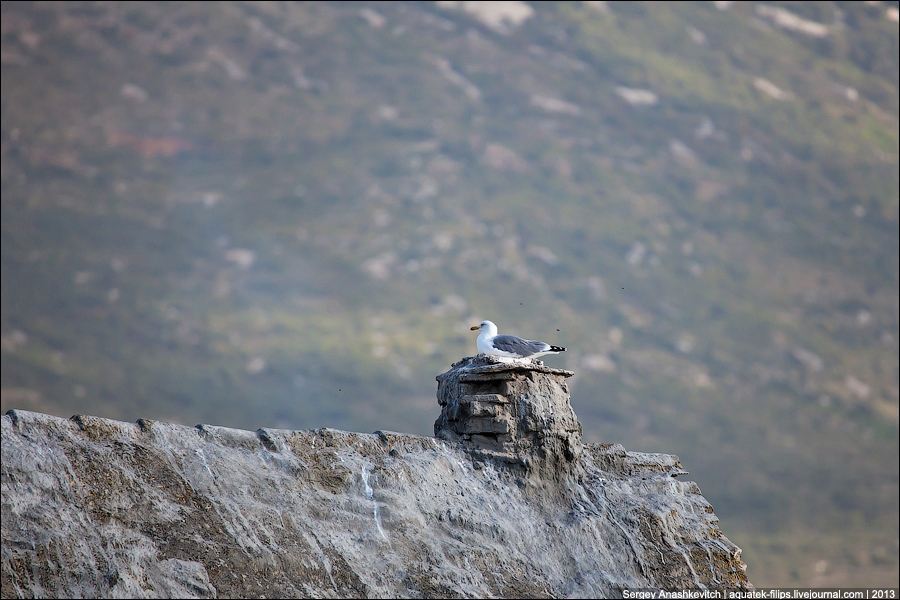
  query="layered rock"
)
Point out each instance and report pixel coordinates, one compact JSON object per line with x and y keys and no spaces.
{"x":517,"y":412}
{"x":93,"y":507}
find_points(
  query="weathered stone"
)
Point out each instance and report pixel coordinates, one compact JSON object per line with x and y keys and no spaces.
{"x":489,"y":442}
{"x":486,"y":425}
{"x":481,"y":409}
{"x":531,"y":397}
{"x":99,"y":508}
{"x":485,"y":399}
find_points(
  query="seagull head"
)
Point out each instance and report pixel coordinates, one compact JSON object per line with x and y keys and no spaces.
{"x":485,"y":327}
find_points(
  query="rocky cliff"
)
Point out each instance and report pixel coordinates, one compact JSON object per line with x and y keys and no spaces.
{"x":505,"y":502}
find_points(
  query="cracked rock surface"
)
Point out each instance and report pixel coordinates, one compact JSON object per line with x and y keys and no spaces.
{"x":94,"y":507}
{"x":517,"y":412}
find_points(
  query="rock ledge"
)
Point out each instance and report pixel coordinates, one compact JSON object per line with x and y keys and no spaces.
{"x":515,"y":412}
{"x":99,"y":508}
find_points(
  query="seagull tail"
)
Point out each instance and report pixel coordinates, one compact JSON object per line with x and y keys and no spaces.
{"x":557,"y":349}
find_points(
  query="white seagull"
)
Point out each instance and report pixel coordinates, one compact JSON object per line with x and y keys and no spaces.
{"x":510,"y":346}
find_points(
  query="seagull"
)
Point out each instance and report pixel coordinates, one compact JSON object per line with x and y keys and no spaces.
{"x":510,"y":346}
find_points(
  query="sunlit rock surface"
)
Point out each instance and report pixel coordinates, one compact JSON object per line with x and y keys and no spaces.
{"x":94,"y":507}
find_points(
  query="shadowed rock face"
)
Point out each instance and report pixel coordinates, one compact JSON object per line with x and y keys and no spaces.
{"x":93,"y":507}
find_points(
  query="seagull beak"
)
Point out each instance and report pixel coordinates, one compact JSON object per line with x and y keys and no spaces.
{"x":474,"y":327}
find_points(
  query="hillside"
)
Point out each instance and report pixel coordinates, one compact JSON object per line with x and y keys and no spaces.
{"x":205,"y":205}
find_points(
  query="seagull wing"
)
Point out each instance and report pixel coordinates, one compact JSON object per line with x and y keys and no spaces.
{"x":519,"y":346}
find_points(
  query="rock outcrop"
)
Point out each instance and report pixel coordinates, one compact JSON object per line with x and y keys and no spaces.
{"x":515,"y":412}
{"x":508,"y":503}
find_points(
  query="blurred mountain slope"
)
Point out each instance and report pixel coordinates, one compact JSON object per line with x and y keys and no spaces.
{"x":204,"y":205}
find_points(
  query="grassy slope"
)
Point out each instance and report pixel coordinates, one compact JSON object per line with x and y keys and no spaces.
{"x":395,"y":182}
